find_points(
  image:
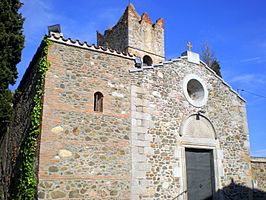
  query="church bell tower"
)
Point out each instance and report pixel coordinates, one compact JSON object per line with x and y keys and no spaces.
{"x":137,"y":35}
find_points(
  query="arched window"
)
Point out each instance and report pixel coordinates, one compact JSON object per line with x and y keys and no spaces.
{"x":98,"y":102}
{"x":147,"y":61}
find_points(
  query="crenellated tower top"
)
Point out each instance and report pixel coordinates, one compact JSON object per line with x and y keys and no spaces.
{"x":136,"y":34}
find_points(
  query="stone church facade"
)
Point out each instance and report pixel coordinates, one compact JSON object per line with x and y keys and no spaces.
{"x":120,"y":122}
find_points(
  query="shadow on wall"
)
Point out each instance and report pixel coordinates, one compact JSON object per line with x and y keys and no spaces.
{"x":236,"y":191}
{"x":233,"y":192}
{"x":16,"y":172}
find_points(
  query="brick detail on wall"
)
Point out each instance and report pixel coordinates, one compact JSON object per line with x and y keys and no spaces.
{"x":84,"y":153}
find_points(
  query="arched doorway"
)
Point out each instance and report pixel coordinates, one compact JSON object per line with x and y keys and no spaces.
{"x":199,"y":149}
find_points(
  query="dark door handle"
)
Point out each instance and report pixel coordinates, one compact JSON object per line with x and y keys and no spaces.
{"x":200,"y":186}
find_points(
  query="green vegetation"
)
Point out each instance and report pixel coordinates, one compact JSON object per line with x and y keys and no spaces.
{"x":27,"y":182}
{"x":210,"y":59}
{"x":11,"y":45}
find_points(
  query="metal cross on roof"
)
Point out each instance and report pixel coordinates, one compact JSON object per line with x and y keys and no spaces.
{"x":189,"y":46}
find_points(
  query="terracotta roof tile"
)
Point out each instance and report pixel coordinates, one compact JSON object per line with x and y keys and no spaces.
{"x":70,"y":41}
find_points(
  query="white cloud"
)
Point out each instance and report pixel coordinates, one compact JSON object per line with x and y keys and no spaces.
{"x":77,"y":30}
{"x":250,"y":59}
{"x":254,"y":60}
{"x":110,"y":15}
{"x":38,"y":15}
{"x":42,"y":13}
{"x":249,"y":79}
{"x":259,"y":153}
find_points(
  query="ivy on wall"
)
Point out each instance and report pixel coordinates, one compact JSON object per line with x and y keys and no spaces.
{"x":27,"y":183}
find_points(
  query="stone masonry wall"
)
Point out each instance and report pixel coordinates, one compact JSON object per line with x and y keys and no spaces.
{"x":85,"y":154}
{"x":136,"y":34}
{"x":144,"y":37}
{"x":159,"y":108}
{"x":115,"y":37}
{"x":10,"y":157}
{"x":259,"y":177}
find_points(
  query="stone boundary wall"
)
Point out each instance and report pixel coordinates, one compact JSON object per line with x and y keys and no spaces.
{"x":258,"y":165}
{"x":10,"y":157}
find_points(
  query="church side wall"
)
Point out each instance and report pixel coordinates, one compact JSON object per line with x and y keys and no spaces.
{"x":259,"y":177}
{"x":159,"y":108}
{"x":85,"y":154}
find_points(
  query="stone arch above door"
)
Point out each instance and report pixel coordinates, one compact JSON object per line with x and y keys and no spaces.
{"x":198,"y":126}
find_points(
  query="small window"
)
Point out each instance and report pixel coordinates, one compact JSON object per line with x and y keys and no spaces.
{"x":98,"y":102}
{"x":147,"y":61}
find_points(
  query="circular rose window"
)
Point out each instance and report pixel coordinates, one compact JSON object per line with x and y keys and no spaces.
{"x":195,"y":90}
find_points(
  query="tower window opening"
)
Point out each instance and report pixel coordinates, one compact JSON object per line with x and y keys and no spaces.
{"x":147,"y":61}
{"x":98,"y":102}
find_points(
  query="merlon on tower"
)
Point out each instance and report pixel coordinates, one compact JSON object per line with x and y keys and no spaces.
{"x":136,"y":34}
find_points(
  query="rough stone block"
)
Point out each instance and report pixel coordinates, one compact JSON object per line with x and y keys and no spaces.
{"x":139,"y":158}
{"x":156,"y":94}
{"x":177,"y":171}
{"x":134,"y":122}
{"x":137,"y":89}
{"x":139,"y":174}
{"x":148,"y":137}
{"x":220,"y":154}
{"x":140,"y":130}
{"x":143,"y":166}
{"x":148,"y":151}
{"x":141,"y":136}
{"x":139,"y":122}
{"x":140,"y":150}
{"x":144,"y":183}
{"x":177,"y":152}
{"x":140,"y":143}
{"x":141,"y":115}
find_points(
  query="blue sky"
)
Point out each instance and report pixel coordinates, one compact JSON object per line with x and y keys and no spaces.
{"x":235,"y":30}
